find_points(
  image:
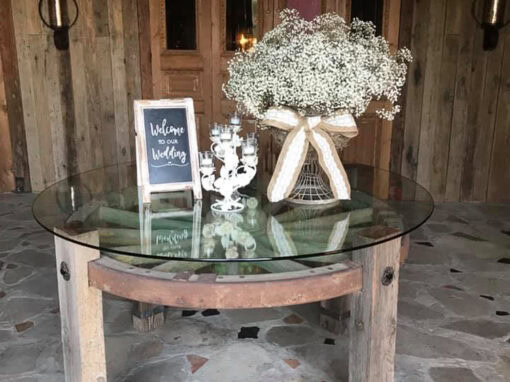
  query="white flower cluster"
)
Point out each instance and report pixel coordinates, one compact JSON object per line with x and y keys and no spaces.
{"x":317,"y":67}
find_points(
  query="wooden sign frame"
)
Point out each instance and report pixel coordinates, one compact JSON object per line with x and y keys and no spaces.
{"x":142,"y":163}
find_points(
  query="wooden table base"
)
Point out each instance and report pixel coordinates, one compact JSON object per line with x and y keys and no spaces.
{"x":371,"y":280}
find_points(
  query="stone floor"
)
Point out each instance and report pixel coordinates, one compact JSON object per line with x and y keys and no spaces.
{"x":454,"y":322}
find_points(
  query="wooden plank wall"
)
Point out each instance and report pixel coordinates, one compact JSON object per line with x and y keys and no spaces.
{"x":454,"y":134}
{"x":14,"y":158}
{"x":77,"y":104}
{"x":6,"y":175}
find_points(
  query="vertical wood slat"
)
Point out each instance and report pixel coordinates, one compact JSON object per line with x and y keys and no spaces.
{"x":499,"y":177}
{"x":53,"y":79}
{"x":144,"y":28}
{"x":81,"y":128}
{"x":156,"y":30}
{"x":106,"y":101}
{"x":432,"y":71}
{"x":6,"y":175}
{"x":92,"y":68}
{"x":39,"y":66}
{"x":32,"y":135}
{"x":119,"y":80}
{"x":415,"y":90}
{"x":132,"y":64}
{"x":455,"y":107}
{"x":9,"y":55}
{"x":443,"y":111}
{"x":457,"y":141}
{"x":397,"y":137}
{"x":485,"y":125}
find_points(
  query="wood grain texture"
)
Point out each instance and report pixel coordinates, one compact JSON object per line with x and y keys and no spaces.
{"x":203,"y":291}
{"x":81,"y":311}
{"x":13,"y":94}
{"x":499,"y":177}
{"x":457,"y":140}
{"x":430,"y":94}
{"x":144,"y":29}
{"x":77,"y":104}
{"x":443,"y":116}
{"x":374,"y":313}
{"x":71,"y":111}
{"x":397,"y":137}
{"x":456,"y":106}
{"x":6,"y":175}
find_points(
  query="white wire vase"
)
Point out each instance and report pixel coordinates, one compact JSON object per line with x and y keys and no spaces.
{"x":312,"y":186}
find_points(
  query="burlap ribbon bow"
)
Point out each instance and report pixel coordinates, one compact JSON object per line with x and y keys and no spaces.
{"x":302,"y":132}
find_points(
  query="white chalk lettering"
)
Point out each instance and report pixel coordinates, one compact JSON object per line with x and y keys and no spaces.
{"x":165,"y":130}
{"x":170,"y":154}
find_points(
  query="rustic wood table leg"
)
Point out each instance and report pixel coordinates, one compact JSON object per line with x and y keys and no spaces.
{"x":147,"y":317}
{"x":335,"y":313}
{"x":374,"y":309}
{"x":81,"y":310}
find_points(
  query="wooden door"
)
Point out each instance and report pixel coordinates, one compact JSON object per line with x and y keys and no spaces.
{"x":266,"y":18}
{"x":181,"y":65}
{"x":201,"y":71}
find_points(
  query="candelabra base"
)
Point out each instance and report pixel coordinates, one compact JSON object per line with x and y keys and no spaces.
{"x":227,"y":206}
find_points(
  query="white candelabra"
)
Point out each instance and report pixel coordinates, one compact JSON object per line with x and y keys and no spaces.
{"x":234,"y":173}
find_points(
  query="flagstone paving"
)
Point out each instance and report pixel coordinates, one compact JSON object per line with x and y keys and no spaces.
{"x":454,"y":322}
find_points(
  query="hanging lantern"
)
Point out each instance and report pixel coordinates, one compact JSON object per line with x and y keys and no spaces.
{"x":492,"y":21}
{"x":57,"y":11}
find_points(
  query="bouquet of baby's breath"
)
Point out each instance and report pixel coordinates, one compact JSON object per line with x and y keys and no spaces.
{"x":317,"y":67}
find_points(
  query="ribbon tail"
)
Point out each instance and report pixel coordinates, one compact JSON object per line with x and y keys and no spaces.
{"x":280,"y":239}
{"x":338,"y":234}
{"x":331,"y":164}
{"x":288,"y":166}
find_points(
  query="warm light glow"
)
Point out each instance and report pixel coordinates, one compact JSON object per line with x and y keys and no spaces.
{"x":246,"y":43}
{"x":242,"y":41}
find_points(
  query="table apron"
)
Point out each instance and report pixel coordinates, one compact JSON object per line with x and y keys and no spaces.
{"x":185,"y":290}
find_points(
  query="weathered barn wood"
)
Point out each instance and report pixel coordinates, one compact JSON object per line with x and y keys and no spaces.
{"x":456,"y":124}
{"x":71,"y":111}
{"x":13,"y":99}
{"x":6,"y":176}
{"x":77,"y":104}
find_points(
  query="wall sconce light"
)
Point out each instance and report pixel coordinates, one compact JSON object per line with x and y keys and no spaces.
{"x":492,"y":21}
{"x":57,"y":11}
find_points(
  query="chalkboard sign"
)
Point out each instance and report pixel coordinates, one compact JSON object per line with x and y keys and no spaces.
{"x":166,"y":147}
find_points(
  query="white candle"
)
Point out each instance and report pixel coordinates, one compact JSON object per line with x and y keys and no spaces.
{"x":249,"y":150}
{"x":226,"y":134}
{"x":207,"y":162}
{"x":215,"y":131}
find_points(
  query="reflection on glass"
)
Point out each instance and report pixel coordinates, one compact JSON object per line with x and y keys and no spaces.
{"x":175,"y":227}
{"x":181,"y":30}
{"x":241,"y":24}
{"x":369,"y":10}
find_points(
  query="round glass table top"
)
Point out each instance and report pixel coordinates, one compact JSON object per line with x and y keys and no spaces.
{"x":176,"y":227}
